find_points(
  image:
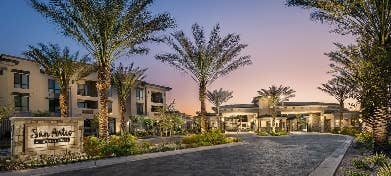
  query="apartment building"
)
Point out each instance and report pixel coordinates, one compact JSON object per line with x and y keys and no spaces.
{"x":26,"y":88}
{"x":291,"y":116}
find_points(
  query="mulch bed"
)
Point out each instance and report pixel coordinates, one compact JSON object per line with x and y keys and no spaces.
{"x":354,"y":152}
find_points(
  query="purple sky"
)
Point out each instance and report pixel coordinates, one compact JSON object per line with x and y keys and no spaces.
{"x":286,"y":46}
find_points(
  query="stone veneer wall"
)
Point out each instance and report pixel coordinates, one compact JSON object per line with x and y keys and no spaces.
{"x":22,"y":137}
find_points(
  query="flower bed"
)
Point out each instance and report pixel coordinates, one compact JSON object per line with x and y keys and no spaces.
{"x":123,"y":145}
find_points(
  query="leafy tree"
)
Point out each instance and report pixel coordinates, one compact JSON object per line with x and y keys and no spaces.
{"x":62,"y":65}
{"x":276,"y":95}
{"x":123,"y":80}
{"x":168,"y":119}
{"x":340,"y":90}
{"x":367,"y":64}
{"x":205,"y":61}
{"x":217,"y":98}
{"x":6,"y":112}
{"x":107,"y":30}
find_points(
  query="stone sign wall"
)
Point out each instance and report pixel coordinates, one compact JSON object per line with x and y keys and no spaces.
{"x":32,"y":136}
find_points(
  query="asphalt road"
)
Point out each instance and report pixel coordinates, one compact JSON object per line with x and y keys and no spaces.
{"x":286,"y":155}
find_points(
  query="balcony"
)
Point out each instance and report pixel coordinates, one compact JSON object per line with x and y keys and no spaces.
{"x":87,"y":89}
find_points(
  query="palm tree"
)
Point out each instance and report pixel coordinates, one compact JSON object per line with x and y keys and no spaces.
{"x":205,"y":61}
{"x":217,"y":98}
{"x":276,"y":95}
{"x":340,"y":91}
{"x":107,"y":30}
{"x":62,"y":66}
{"x":123,"y":80}
{"x":369,"y":21}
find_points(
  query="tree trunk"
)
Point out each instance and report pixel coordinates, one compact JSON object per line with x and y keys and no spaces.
{"x":380,"y":133}
{"x":274,"y":114}
{"x":219,"y":121}
{"x":341,"y":108}
{"x":103,"y":85}
{"x":63,"y":101}
{"x":122,"y":110}
{"x":202,"y":96}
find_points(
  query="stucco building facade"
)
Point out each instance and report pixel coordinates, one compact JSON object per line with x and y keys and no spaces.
{"x":26,"y":88}
{"x":291,"y":116}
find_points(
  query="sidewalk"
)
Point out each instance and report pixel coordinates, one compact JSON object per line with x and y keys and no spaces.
{"x":331,"y":163}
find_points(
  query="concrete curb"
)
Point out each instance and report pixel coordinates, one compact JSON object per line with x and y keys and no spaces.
{"x":110,"y":161}
{"x":331,"y":163}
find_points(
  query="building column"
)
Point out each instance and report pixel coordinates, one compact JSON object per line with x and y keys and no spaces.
{"x":322,"y":118}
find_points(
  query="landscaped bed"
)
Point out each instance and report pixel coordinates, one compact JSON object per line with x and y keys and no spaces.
{"x":359,"y":159}
{"x":114,"y":146}
{"x":271,"y":133}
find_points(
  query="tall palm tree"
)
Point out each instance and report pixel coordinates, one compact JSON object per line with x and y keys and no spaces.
{"x":276,"y":95}
{"x":107,"y":29}
{"x":205,"y":61}
{"x":369,"y":21}
{"x":217,"y":98}
{"x":341,"y":91}
{"x":62,"y":65}
{"x":124,"y":80}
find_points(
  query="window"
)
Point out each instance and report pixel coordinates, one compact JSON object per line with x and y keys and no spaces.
{"x":21,"y":80}
{"x":21,"y":103}
{"x":53,"y":86}
{"x":81,"y":89}
{"x":87,"y":89}
{"x":110,"y":106}
{"x":140,"y":108}
{"x":54,"y":105}
{"x":1,"y":71}
{"x":139,"y":94}
{"x":156,"y":108}
{"x":243,"y":118}
{"x":111,"y":125}
{"x":157,"y":97}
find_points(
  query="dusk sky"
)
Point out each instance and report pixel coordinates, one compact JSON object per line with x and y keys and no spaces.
{"x":286,"y":46}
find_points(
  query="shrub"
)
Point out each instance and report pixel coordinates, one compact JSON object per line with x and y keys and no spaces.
{"x":336,"y":130}
{"x":385,"y":170}
{"x":377,"y":159}
{"x":360,"y":164}
{"x":120,"y":145}
{"x":92,"y":146}
{"x":263,"y":133}
{"x":277,"y":133}
{"x":114,"y":146}
{"x":351,"y":131}
{"x":355,"y":173}
{"x":282,"y":133}
{"x":213,"y":137}
{"x":142,"y":148}
{"x":366,"y":139}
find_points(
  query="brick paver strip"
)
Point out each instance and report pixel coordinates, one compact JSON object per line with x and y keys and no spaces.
{"x":110,"y":161}
{"x":331,"y":163}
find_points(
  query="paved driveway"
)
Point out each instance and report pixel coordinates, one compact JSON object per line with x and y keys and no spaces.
{"x":287,"y":155}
